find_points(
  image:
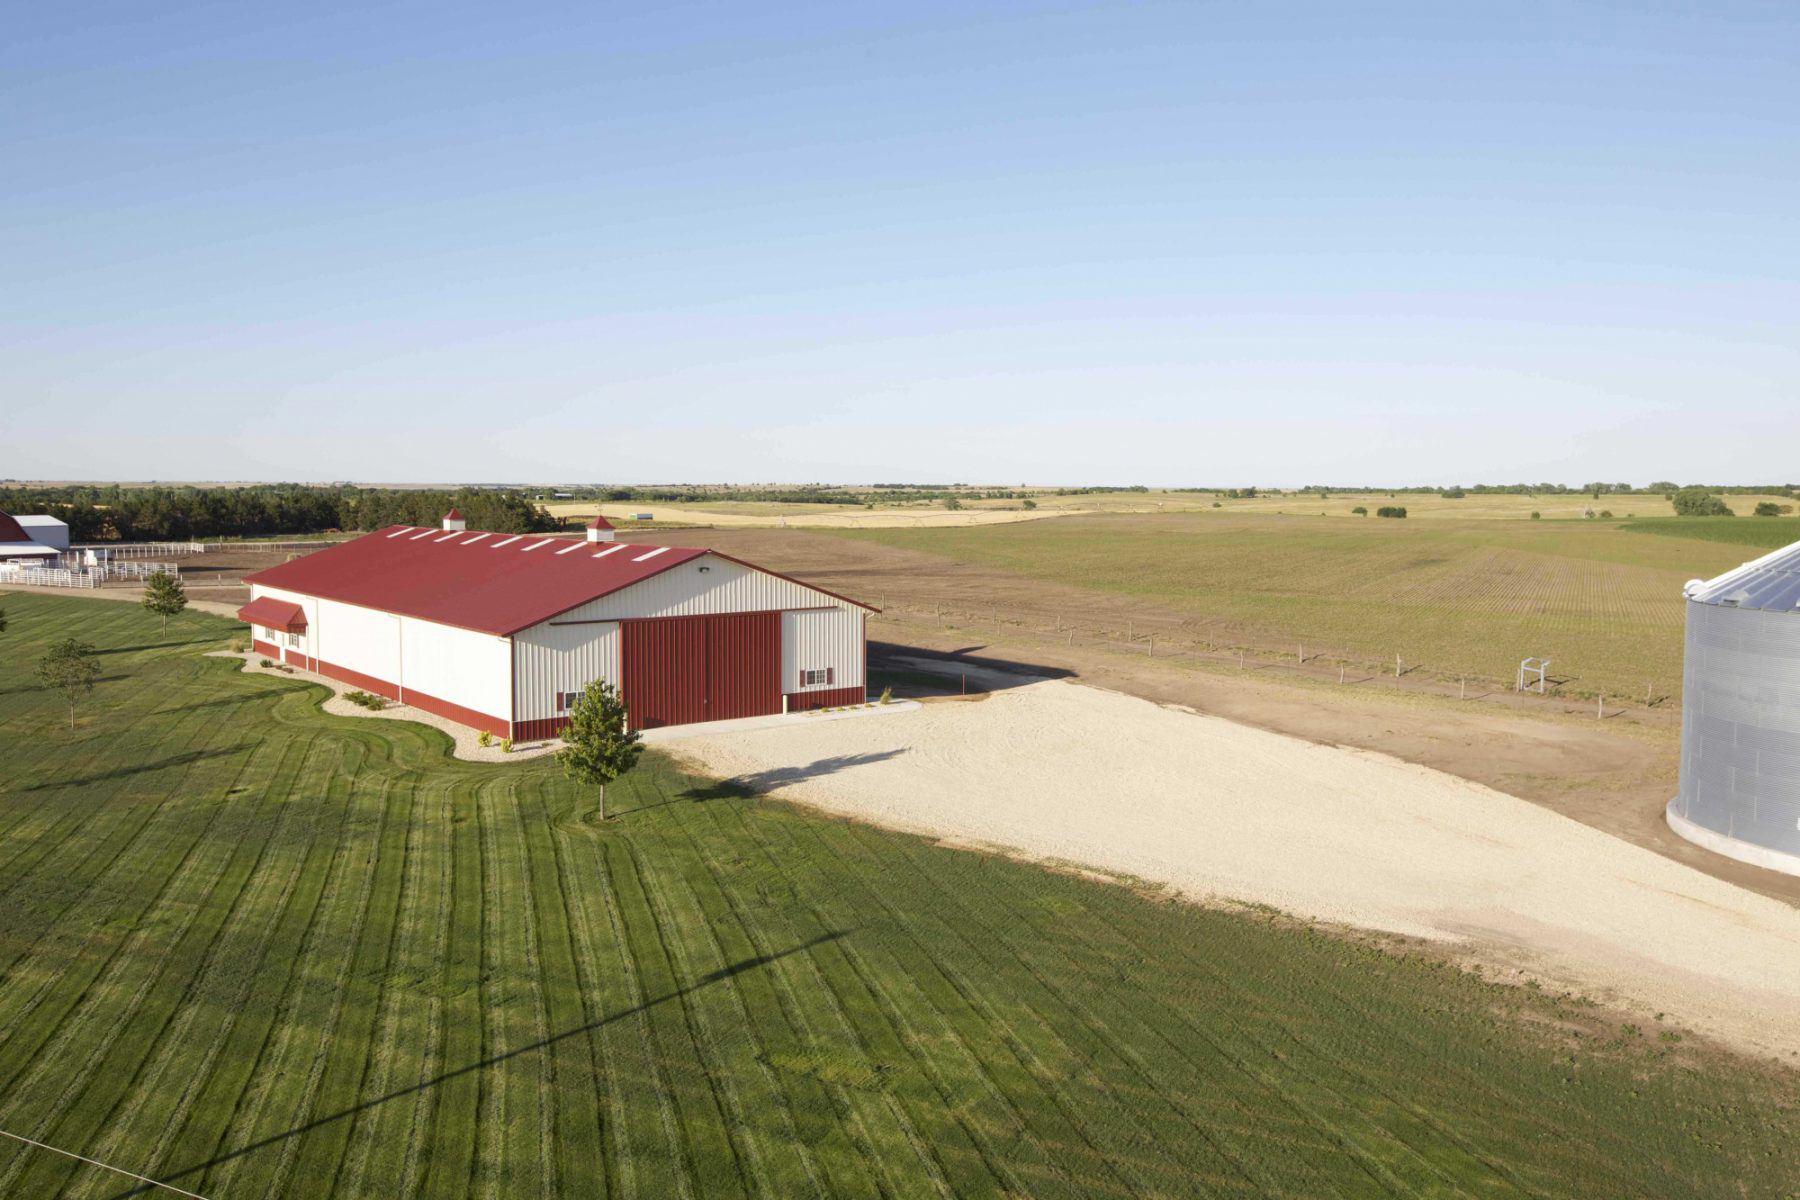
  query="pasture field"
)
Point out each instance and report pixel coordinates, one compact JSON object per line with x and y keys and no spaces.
{"x":254,"y":950}
{"x":1451,"y":597}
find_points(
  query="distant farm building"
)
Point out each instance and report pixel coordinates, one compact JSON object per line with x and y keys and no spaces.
{"x":37,"y":538}
{"x":1740,"y":730}
{"x":500,"y":632}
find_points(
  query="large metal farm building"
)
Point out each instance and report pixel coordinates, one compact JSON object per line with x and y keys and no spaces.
{"x":499,"y":631}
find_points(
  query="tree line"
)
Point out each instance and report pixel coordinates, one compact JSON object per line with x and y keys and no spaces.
{"x":113,"y":513}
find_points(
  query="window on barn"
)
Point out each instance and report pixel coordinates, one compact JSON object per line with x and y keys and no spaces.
{"x":815,"y":678}
{"x":566,"y":700}
{"x":293,"y":641}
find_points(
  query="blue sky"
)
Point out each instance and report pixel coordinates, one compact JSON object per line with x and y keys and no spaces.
{"x":1162,"y":243}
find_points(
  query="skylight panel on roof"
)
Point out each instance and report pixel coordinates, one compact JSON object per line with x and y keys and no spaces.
{"x":651,"y":554}
{"x":401,"y":530}
{"x":422,"y":533}
{"x":612,"y":549}
{"x":475,"y":539}
{"x":572,"y":547}
{"x":538,"y":546}
{"x":451,"y":534}
{"x":506,"y":542}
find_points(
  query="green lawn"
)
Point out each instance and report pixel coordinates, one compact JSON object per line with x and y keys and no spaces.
{"x":1767,"y":533}
{"x":257,"y":951}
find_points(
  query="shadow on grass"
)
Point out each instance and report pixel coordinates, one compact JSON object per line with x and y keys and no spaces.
{"x":177,"y":760}
{"x":744,"y":787}
{"x":205,"y":641}
{"x":711,"y":977}
{"x":38,"y":687}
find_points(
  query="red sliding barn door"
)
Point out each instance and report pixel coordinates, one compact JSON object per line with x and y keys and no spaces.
{"x":679,"y":670}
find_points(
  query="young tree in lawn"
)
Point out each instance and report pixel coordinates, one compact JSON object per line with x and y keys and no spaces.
{"x":598,"y":747}
{"x":69,"y":667}
{"x":165,"y":596}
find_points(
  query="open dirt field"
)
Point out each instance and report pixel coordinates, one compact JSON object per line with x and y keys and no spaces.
{"x":1074,"y":774}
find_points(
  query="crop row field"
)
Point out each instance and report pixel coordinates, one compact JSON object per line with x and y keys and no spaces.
{"x":253,"y":950}
{"x":1454,"y":597}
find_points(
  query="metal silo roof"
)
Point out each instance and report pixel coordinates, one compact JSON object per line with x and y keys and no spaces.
{"x":1770,"y":582}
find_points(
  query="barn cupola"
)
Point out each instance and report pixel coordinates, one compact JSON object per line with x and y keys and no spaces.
{"x":599,"y":530}
{"x":453,"y":522}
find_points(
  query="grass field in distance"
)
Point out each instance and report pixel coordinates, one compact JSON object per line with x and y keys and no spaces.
{"x":1601,"y":600}
{"x":259,"y":951}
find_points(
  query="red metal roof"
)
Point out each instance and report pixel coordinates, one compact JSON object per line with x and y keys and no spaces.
{"x":496,"y":583}
{"x":453,"y":515}
{"x":12,"y":531}
{"x":599,"y":522}
{"x":271,"y":613}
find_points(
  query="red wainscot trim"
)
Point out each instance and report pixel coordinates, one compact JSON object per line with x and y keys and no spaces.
{"x":542,"y":729}
{"x":825,"y":698}
{"x":266,"y":649}
{"x":459,"y":714}
{"x":367,"y":683}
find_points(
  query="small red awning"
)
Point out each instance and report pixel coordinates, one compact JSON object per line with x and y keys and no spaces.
{"x":274,"y":614}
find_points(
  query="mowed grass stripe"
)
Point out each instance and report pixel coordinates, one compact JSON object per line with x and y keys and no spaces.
{"x":339,"y":962}
{"x":1046,"y":1059}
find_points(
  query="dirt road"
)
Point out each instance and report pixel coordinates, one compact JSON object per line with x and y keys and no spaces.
{"x":1213,"y":808}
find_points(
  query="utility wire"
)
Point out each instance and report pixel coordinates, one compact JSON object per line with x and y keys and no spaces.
{"x":168,"y":1187}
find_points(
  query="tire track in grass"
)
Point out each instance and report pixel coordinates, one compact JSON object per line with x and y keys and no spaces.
{"x":569,"y":834}
{"x":1225,"y":1165}
{"x":1287,"y":1087}
{"x":1260,"y":1082}
{"x":32,"y":1024}
{"x":756,"y":1002}
{"x":905,"y":1115}
{"x":1012,"y":1084}
{"x":431,"y":1057}
{"x":240,"y":1093}
{"x":322,"y":774}
{"x":579,"y":1166}
{"x":448,"y":1157}
{"x":662,"y":1089}
{"x":673,"y":909}
{"x":351,"y":1046}
{"x":847,"y":1112}
{"x":67,"y":886}
{"x":121,"y":1031}
{"x":1373,"y":1018}
{"x":160,"y":1098}
{"x":323,"y":999}
{"x":366,"y":1134}
{"x":1284,"y":1027}
{"x":713,"y":1159}
{"x":514,"y":1125}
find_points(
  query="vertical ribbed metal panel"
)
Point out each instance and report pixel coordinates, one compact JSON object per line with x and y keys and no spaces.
{"x":743,"y":665}
{"x":1740,"y":731}
{"x":822,"y":639}
{"x":554,"y":658}
{"x":665,"y":671}
{"x":688,"y":591}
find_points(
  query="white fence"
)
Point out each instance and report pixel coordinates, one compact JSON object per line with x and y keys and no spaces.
{"x":74,"y":575}
{"x":49,"y":576}
{"x":142,"y":549}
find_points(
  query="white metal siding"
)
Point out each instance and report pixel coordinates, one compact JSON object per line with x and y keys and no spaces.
{"x":458,"y":665}
{"x":687,"y":591}
{"x":553,"y":658}
{"x":817,"y":639}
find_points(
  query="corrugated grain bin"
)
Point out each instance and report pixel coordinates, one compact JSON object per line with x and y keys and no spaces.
{"x":1740,"y":730}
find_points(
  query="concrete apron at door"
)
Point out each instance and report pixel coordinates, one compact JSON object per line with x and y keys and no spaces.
{"x":674,"y":733}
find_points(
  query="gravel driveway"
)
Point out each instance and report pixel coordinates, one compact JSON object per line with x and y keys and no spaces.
{"x":1219,"y":810}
